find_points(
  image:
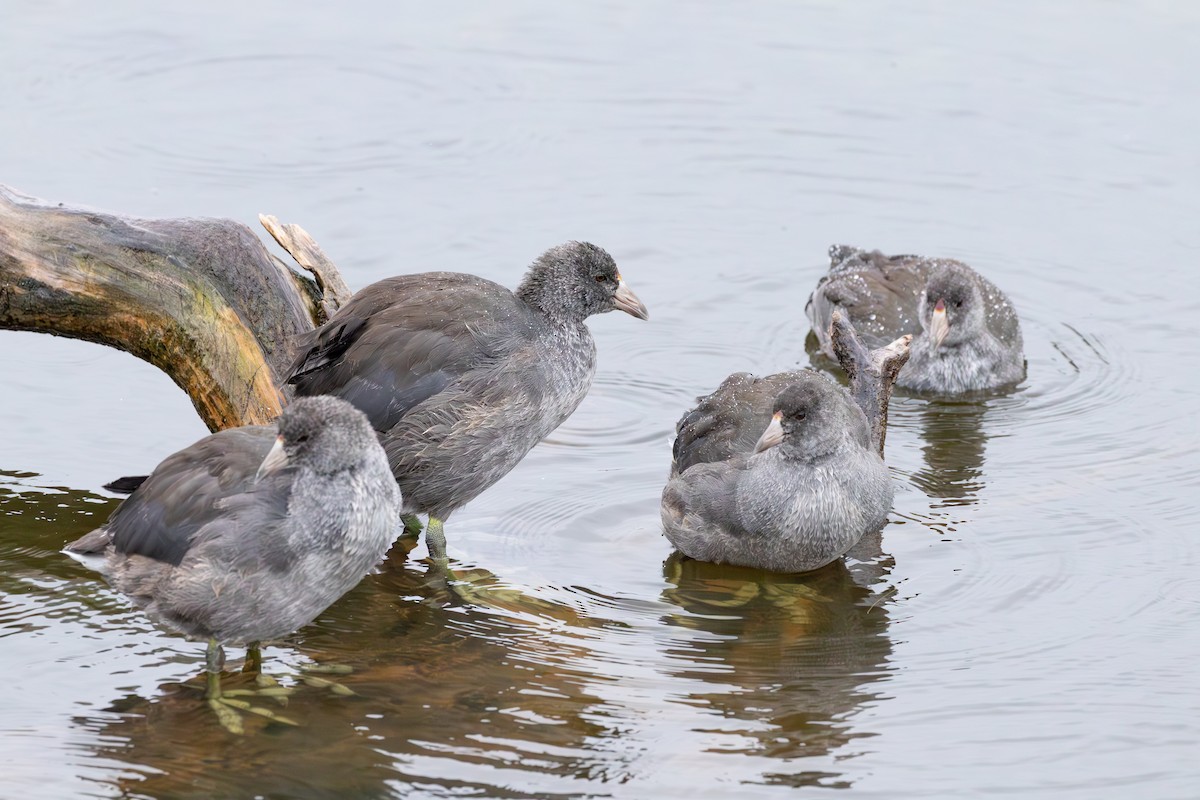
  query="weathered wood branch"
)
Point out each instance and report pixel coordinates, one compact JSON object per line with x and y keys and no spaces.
{"x":332,"y":291}
{"x":872,"y":373}
{"x":201,"y":299}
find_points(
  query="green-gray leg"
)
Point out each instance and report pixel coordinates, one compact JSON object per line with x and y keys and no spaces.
{"x":444,"y":579}
{"x":226,"y":707}
{"x":412,"y":524}
{"x":253,"y":662}
{"x":214,"y":660}
{"x":435,"y":539}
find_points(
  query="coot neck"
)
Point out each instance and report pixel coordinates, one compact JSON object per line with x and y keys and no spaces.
{"x":550,"y":299}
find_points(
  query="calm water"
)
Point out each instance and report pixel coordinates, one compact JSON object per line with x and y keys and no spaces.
{"x":1026,"y":623}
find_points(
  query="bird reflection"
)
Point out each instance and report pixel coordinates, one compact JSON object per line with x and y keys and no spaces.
{"x":787,"y":659}
{"x":953,"y":451}
{"x":456,"y":697}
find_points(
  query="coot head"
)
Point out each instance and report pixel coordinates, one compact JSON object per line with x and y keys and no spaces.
{"x":323,"y":433}
{"x":573,"y":281}
{"x":951,"y":307}
{"x":807,"y":422}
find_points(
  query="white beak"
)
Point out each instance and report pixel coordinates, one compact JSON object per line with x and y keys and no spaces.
{"x":772,"y":436}
{"x":627,"y":301}
{"x":939,"y":326}
{"x":276,"y":458}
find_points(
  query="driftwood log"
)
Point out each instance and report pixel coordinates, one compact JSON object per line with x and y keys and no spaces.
{"x":204,"y":301}
{"x":201,"y":299}
{"x":872,"y":373}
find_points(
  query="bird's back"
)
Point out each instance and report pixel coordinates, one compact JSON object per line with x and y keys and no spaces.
{"x":183,"y":494}
{"x":209,"y":546}
{"x":460,"y":377}
{"x":404,"y":340}
{"x":881,"y":295}
{"x":729,"y":421}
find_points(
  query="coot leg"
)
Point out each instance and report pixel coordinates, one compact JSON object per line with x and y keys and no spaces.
{"x":213,"y":662}
{"x":226,"y":707}
{"x":435,"y":539}
{"x":253,"y":662}
{"x":412,"y":524}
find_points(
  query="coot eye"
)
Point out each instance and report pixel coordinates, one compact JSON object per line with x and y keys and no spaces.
{"x":601,"y":278}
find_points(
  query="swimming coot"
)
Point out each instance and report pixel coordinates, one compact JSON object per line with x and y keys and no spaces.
{"x":778,"y":473}
{"x":460,"y":376}
{"x":966,"y":335}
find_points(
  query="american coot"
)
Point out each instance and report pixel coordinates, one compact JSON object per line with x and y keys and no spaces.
{"x":252,"y":532}
{"x":777,"y":473}
{"x":966,"y":336}
{"x":460,"y":376}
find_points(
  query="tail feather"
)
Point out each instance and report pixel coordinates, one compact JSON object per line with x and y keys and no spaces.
{"x":126,"y":485}
{"x":90,"y":549}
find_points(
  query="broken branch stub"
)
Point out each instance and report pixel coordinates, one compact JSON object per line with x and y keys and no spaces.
{"x":872,"y":373}
{"x":331,"y":291}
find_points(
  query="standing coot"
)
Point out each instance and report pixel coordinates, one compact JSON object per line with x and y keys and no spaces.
{"x":252,"y":532}
{"x":777,"y":473}
{"x":966,"y":336}
{"x":460,"y":376}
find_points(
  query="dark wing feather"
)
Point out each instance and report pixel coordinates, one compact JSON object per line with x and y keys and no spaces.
{"x":326,"y":345}
{"x":406,"y":339}
{"x":882,"y":294}
{"x":729,"y":421}
{"x":708,"y":492}
{"x":254,"y":518}
{"x":184,"y":493}
{"x":879,"y":293}
{"x":127,"y":484}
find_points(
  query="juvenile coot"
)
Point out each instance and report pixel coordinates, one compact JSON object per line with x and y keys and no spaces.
{"x":252,"y":532}
{"x":460,"y":376}
{"x":966,"y":335}
{"x":777,"y":473}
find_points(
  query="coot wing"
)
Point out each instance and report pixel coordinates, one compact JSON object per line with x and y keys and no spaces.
{"x":879,"y":293}
{"x":704,"y":497}
{"x":729,"y":421}
{"x":405,"y":339}
{"x":1001,"y":317}
{"x":184,"y":493}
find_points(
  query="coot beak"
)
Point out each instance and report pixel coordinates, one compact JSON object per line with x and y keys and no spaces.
{"x":939,"y":325}
{"x":772,"y":436}
{"x":275,"y":459}
{"x":628,"y":302}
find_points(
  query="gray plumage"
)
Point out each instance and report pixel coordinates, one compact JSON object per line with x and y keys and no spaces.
{"x":237,"y":540}
{"x":795,"y":506}
{"x":886,"y":297}
{"x":460,"y":376}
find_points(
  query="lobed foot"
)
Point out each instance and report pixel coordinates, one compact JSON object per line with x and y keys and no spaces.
{"x":230,"y":704}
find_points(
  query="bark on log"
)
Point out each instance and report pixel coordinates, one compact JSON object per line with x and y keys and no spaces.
{"x":872,"y":373}
{"x":201,"y":299}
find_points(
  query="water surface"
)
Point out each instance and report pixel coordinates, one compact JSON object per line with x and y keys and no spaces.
{"x":1026,"y":622}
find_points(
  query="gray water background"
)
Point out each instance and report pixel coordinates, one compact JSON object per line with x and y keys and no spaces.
{"x":1027,"y":623}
